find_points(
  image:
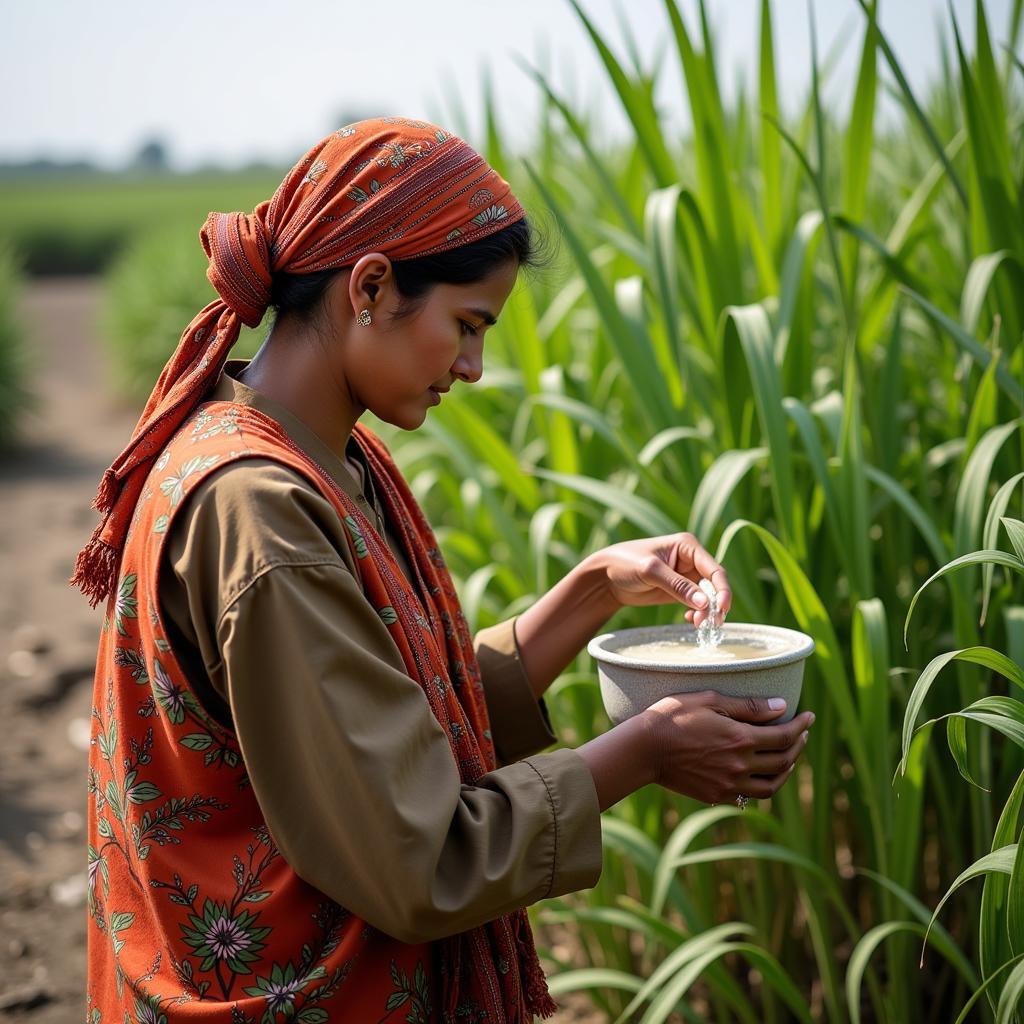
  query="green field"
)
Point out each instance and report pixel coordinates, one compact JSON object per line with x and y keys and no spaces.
{"x":78,"y":225}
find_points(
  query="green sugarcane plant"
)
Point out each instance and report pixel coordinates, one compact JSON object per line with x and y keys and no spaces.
{"x":1001,"y":924}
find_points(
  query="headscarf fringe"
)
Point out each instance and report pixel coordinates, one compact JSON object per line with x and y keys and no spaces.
{"x":538,"y":998}
{"x":107,"y":492}
{"x":96,"y":569}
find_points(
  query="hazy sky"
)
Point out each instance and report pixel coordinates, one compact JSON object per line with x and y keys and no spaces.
{"x":232,"y":80}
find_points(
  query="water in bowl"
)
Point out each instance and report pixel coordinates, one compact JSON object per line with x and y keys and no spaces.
{"x":686,"y":652}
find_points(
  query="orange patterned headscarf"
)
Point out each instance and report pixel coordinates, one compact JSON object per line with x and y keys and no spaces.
{"x":392,"y":185}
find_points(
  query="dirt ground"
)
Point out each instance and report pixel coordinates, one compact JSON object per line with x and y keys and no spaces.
{"x":48,"y":637}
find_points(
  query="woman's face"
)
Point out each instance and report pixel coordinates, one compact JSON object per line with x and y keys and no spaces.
{"x":391,"y":367}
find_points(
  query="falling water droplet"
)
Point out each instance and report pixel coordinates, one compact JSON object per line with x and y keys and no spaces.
{"x":709,"y":632}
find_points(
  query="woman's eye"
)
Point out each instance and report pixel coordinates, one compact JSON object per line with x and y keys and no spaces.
{"x":467,"y":328}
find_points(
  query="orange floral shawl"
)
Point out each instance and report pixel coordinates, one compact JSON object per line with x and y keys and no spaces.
{"x":195,"y":916}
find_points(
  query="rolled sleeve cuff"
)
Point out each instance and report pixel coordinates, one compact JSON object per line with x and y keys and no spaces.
{"x":520,"y":724}
{"x":576,"y":851}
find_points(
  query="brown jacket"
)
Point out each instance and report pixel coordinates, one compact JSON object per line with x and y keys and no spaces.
{"x":280,"y":643}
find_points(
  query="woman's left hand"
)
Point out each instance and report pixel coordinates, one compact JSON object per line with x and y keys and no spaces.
{"x":660,"y":570}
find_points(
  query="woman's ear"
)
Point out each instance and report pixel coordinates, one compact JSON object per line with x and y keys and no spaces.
{"x":369,"y":273}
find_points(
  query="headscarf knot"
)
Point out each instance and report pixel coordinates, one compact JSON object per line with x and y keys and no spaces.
{"x":238,"y":249}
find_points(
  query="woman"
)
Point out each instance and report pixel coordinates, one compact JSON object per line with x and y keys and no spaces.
{"x":312,"y":794}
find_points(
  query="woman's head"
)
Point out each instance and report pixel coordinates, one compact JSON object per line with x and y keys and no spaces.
{"x":427,"y":318}
{"x":367,"y":197}
{"x":408,"y":223}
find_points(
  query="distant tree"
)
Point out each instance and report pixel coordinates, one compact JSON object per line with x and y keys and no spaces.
{"x":151,"y":157}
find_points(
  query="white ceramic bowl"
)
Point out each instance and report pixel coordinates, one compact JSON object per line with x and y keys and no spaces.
{"x":629,"y":684}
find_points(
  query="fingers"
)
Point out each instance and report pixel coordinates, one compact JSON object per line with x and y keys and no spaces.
{"x":657,"y":573}
{"x":762,"y":788}
{"x":770,"y":769}
{"x":709,"y":569}
{"x":777,"y":762}
{"x":717,"y":575}
{"x":774,"y":738}
{"x":744,"y":709}
{"x":682,"y":557}
{"x":770,"y":772}
{"x":720,"y":581}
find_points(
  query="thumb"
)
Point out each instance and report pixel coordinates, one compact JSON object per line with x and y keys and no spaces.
{"x":660,"y":575}
{"x":749,"y":709}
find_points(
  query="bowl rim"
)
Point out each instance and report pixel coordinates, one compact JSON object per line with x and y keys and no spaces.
{"x":804,"y":648}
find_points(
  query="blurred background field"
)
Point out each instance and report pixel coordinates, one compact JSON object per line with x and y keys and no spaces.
{"x":788,"y":320}
{"x":78,"y":225}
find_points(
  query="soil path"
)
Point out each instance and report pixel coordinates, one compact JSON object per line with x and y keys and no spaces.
{"x":48,"y":637}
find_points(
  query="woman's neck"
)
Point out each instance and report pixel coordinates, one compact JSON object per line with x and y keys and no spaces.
{"x":292,"y":368}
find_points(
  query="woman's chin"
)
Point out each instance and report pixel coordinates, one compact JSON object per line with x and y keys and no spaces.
{"x":405,"y":418}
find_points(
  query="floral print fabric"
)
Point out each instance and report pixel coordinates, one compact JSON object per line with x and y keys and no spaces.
{"x":194,"y":914}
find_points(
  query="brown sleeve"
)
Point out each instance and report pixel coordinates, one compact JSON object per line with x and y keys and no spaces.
{"x":353,"y":772}
{"x":227,"y":520}
{"x":239,"y":520}
{"x":520,"y":724}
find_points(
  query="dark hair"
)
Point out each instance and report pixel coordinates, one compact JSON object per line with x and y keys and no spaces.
{"x":300,"y":294}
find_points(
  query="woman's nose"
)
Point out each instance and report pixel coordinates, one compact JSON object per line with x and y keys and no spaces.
{"x":469,"y":367}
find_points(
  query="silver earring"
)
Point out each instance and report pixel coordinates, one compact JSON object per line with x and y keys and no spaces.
{"x":364,"y":319}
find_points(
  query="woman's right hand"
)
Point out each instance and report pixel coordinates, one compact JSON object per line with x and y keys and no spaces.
{"x":703,"y":745}
{"x":713,"y":748}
